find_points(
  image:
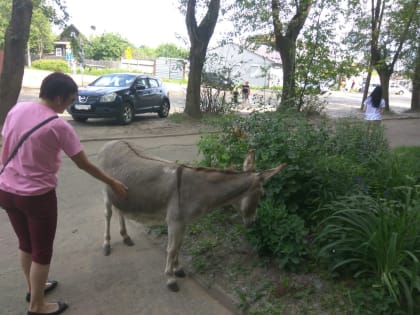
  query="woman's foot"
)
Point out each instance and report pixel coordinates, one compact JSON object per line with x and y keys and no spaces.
{"x":51,"y":309}
{"x":49,"y":286}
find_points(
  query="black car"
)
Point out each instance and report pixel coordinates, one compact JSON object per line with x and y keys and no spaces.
{"x":121,"y":96}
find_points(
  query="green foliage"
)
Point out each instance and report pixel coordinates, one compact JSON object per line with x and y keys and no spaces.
{"x":315,"y":63}
{"x":341,"y":168}
{"x":325,"y":161}
{"x":408,"y":161}
{"x":170,"y":50}
{"x":41,"y":38}
{"x":144,"y":52}
{"x":280,"y":235}
{"x":108,"y":46}
{"x":367,"y":299}
{"x":51,"y":65}
{"x":43,"y":15}
{"x":376,"y":238}
{"x":5,"y":15}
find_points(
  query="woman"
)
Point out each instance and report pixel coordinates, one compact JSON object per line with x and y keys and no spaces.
{"x":374,"y":105}
{"x":28,"y":181}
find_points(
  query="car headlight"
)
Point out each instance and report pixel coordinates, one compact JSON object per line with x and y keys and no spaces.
{"x":108,"y":98}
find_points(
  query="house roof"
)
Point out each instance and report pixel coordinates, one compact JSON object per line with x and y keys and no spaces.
{"x":263,"y":51}
{"x":269,"y":53}
{"x":69,"y":32}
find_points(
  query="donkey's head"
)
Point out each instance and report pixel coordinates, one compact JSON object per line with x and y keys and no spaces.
{"x":249,"y":203}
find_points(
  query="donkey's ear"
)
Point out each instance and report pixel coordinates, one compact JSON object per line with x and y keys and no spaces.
{"x":267,"y":174}
{"x":249,"y":163}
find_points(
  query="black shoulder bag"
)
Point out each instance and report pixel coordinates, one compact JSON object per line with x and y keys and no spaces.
{"x":24,"y":137}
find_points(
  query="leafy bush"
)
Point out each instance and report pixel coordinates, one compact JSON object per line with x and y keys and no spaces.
{"x":280,"y":235}
{"x":408,"y":162}
{"x":325,"y":160}
{"x":51,"y":65}
{"x":379,"y":239}
{"x":312,"y":104}
{"x":341,"y":173}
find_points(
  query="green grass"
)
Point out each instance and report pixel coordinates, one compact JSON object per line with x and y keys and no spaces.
{"x":409,"y":160}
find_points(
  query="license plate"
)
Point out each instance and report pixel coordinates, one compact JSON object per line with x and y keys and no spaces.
{"x":82,"y":107}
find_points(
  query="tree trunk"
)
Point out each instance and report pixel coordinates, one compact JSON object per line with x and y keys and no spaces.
{"x":192,"y":103}
{"x":415,"y":98}
{"x":199,"y":38}
{"x":366,"y":87}
{"x":287,"y":51}
{"x":285,"y":37}
{"x":16,"y":38}
{"x":384,"y":76}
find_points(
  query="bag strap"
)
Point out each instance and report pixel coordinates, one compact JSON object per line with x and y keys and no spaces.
{"x":24,"y":137}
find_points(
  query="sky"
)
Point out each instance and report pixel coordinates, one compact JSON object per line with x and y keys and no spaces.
{"x":142,"y":22}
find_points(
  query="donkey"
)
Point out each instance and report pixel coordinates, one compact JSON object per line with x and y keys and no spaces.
{"x":160,"y":190}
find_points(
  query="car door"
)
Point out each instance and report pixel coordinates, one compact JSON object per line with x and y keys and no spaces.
{"x":143,"y":94}
{"x":156,"y":92}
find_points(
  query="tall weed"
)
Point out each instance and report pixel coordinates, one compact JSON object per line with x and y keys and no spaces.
{"x":375,"y":238}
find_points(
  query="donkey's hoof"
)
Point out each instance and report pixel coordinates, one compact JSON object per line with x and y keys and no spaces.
{"x":128,"y":241}
{"x":107,"y":250}
{"x":180,"y":273}
{"x":173,"y":286}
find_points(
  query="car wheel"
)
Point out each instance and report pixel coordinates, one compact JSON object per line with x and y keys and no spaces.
{"x":126,"y":115}
{"x":79,"y":119}
{"x":164,"y":109}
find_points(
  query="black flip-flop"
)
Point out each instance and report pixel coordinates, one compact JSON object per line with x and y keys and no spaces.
{"x":61,"y":308}
{"x":51,"y":284}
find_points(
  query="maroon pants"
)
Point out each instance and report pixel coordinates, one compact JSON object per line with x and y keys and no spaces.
{"x":34,"y":219}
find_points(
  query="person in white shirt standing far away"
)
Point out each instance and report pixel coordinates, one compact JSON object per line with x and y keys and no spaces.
{"x":374,"y":105}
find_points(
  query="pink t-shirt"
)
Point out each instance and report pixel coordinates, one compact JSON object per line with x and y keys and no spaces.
{"x":33,"y":170}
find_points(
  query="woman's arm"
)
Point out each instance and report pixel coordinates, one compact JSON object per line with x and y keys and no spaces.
{"x":83,"y":163}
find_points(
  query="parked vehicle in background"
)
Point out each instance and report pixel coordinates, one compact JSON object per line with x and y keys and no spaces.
{"x":372,"y":86}
{"x":217,"y":81}
{"x":395,"y":88}
{"x":320,"y":87}
{"x":121,"y":96}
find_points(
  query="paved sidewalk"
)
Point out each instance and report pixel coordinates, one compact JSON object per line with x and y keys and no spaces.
{"x":32,"y":78}
{"x":131,"y":280}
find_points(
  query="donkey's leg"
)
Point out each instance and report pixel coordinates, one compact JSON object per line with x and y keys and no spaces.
{"x":123,"y":230}
{"x":176,"y":231}
{"x":108,"y":215}
{"x":178,"y":270}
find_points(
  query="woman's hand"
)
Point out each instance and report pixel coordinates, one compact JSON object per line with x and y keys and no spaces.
{"x":83,"y":163}
{"x":119,"y":188}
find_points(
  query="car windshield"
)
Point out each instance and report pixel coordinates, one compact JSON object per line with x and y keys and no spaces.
{"x":114,"y":80}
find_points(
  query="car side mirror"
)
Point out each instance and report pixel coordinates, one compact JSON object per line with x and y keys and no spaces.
{"x":140,"y":86}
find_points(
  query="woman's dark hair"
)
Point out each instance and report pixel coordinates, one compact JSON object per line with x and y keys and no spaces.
{"x":376,"y":96}
{"x":57,"y":84}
